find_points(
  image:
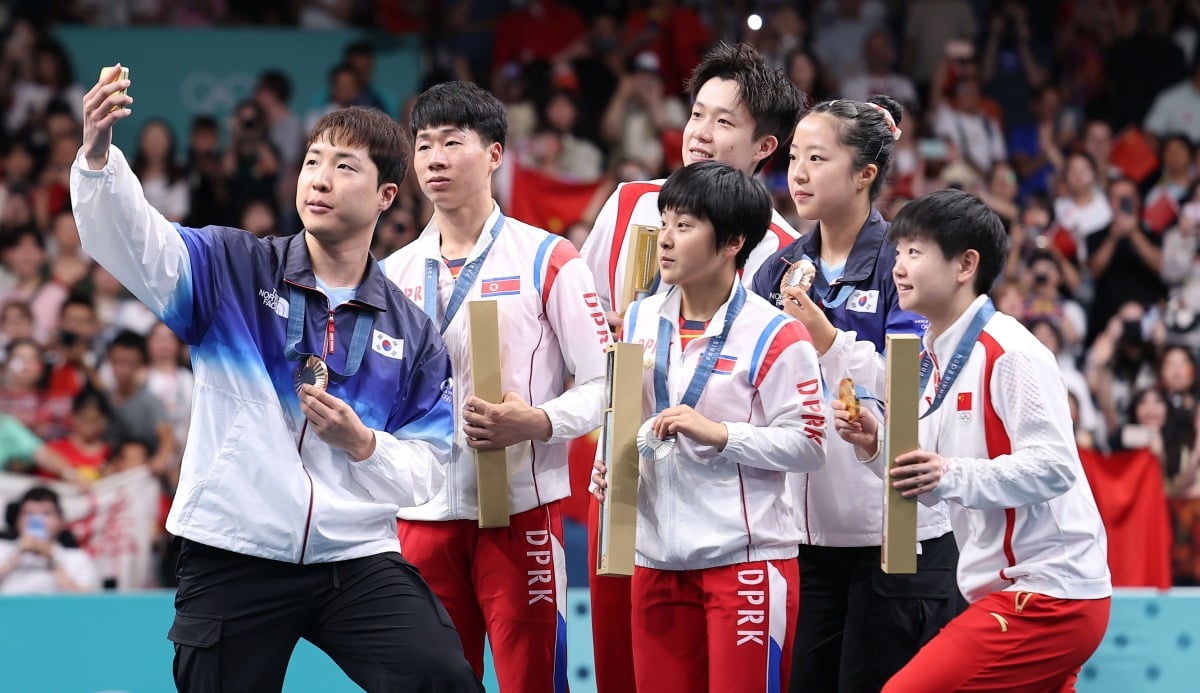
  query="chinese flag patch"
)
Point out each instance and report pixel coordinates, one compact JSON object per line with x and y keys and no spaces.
{"x":964,"y":401}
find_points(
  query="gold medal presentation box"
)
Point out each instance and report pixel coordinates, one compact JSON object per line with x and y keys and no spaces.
{"x":899,"y":552}
{"x":616,"y":535}
{"x":491,"y":466}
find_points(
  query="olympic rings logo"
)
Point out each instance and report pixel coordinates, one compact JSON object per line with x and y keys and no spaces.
{"x":204,"y":92}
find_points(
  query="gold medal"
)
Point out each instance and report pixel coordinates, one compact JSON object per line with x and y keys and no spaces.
{"x":311,"y":371}
{"x":799,"y":274}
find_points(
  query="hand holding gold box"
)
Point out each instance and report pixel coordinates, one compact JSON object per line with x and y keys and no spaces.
{"x":617,"y":531}
{"x":491,"y":466}
{"x":899,"y":552}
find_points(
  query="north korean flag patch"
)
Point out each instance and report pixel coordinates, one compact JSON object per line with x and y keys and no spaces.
{"x":500,"y":286}
{"x":724,"y":365}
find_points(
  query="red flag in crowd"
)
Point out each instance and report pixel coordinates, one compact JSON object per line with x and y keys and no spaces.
{"x":1133,"y":154}
{"x":1161,"y":211}
{"x":547,"y":202}
{"x":1061,"y":238}
{"x":1128,"y":487}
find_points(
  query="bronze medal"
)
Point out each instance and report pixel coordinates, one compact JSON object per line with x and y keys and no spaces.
{"x":311,"y":371}
{"x":799,"y":274}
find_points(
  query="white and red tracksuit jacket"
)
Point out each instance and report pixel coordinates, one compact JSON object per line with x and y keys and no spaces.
{"x":700,"y":507}
{"x":606,"y":249}
{"x":1021,"y":509}
{"x":551,"y":324}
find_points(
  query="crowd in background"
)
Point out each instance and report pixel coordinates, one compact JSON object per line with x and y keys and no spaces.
{"x":1078,"y":122}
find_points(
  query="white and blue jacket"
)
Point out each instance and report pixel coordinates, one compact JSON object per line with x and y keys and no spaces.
{"x":842,"y":505}
{"x":248,"y":483}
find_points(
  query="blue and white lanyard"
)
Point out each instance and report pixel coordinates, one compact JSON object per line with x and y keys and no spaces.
{"x":466,"y":278}
{"x":708,"y":360}
{"x":961,"y":353}
{"x":295,"y":331}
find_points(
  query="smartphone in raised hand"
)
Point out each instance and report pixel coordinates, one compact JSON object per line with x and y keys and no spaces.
{"x":123,"y":74}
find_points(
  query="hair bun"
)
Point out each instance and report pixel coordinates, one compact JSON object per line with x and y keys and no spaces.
{"x":893,"y":106}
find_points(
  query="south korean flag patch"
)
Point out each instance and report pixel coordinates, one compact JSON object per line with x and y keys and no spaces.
{"x":391,"y":347}
{"x":861,"y":301}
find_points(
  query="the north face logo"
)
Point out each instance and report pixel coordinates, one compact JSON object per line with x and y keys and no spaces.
{"x":271,"y":299}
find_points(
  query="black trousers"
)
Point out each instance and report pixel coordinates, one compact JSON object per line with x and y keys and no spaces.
{"x":858,"y":625}
{"x":237,"y":619}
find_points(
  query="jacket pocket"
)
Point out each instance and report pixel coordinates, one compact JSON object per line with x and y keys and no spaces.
{"x":195,"y":631}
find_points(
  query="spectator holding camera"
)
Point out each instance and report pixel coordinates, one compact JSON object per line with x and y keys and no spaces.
{"x":39,"y":555}
{"x":640,"y":112}
{"x":1125,"y":261}
{"x":1045,"y":300}
{"x":1120,"y":362}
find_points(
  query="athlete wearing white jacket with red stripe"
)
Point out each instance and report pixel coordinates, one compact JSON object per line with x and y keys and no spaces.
{"x":505,"y":583}
{"x":550,"y":325}
{"x":997,"y":446}
{"x":736,"y":384}
{"x":702,"y":507}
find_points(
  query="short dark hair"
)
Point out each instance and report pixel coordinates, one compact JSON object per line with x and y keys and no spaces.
{"x":865,"y":131}
{"x":734,"y":203}
{"x":205,"y":123}
{"x":957,"y":222}
{"x":128,"y":339}
{"x":461,"y":105}
{"x":12,"y":237}
{"x":77,"y":299}
{"x":39,"y":494}
{"x":276,"y":82}
{"x":382,"y":137}
{"x":91,"y":397}
{"x":772,"y":99}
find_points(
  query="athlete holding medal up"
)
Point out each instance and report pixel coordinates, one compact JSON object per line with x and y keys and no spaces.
{"x":734,"y":403}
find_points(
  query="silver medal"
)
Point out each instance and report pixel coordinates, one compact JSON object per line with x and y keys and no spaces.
{"x":650,"y":445}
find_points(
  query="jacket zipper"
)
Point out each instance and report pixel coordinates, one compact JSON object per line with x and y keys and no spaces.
{"x":328,"y":349}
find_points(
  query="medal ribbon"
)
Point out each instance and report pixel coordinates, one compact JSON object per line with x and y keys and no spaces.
{"x":466,"y":278}
{"x":821,"y":286}
{"x":708,"y":360}
{"x":295,"y":331}
{"x":961,"y":353}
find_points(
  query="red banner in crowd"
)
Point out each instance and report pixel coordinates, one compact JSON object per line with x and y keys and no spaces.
{"x":547,"y":202}
{"x":115,"y":520}
{"x":1128,"y":487}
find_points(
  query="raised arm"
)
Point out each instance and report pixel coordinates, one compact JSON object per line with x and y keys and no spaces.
{"x":117,"y":226}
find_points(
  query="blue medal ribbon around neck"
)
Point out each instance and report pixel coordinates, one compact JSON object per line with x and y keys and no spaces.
{"x":708,"y":361}
{"x":466,"y":278}
{"x":295,"y":331}
{"x":821,"y":286}
{"x":961,"y":353}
